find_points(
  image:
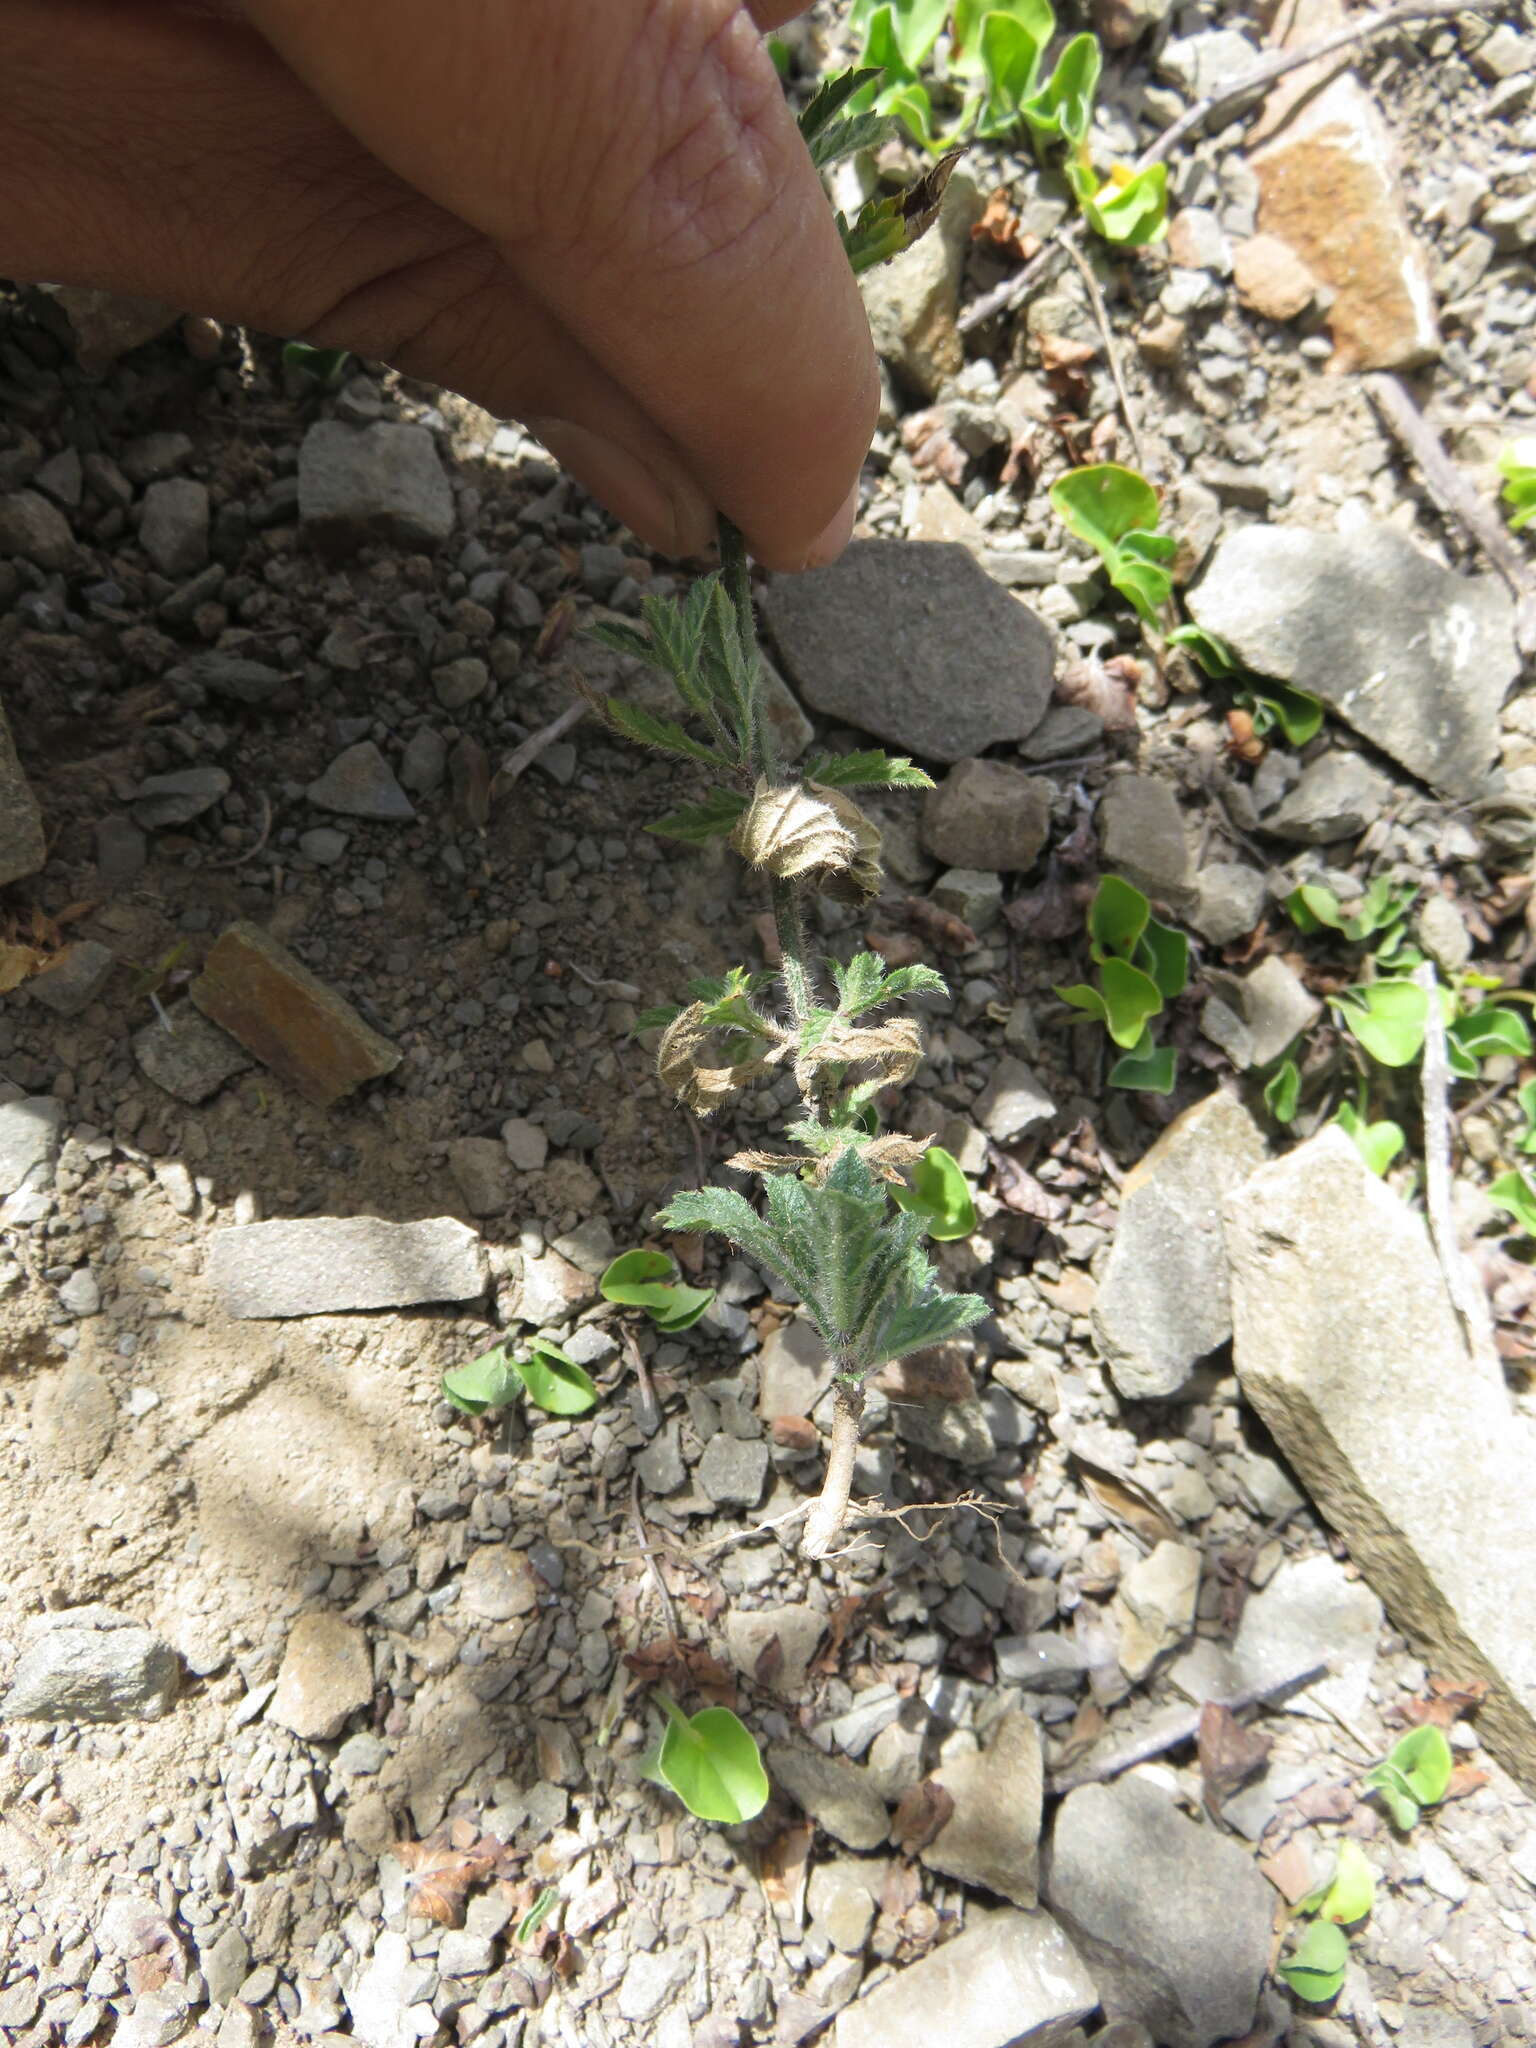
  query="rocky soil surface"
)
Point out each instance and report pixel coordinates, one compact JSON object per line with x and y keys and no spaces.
{"x":325,"y":919}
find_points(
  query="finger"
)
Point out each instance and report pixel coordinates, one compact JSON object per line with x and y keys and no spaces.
{"x":179,"y":160}
{"x":772,"y":14}
{"x":635,"y":163}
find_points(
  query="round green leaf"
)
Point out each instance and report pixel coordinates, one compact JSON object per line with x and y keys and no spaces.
{"x":1378,"y":1144}
{"x":711,"y":1763}
{"x":1130,"y":998}
{"x":1352,"y":1892}
{"x":488,"y":1381}
{"x":1489,"y":1030}
{"x":1282,"y":1091}
{"x":1164,"y":954}
{"x":1387,"y":1017}
{"x":1423,"y":1756}
{"x":1082,"y":997}
{"x":1515,"y":1193}
{"x":683,"y":1307}
{"x":631,"y":1271}
{"x":1389,"y":1783}
{"x":1316,"y":1970}
{"x":1117,"y":917}
{"x":1104,"y":501}
{"x":941,"y":1195}
{"x":554,"y":1382}
{"x":1150,"y":1071}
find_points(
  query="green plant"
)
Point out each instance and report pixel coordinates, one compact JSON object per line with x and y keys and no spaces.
{"x":1415,"y":1773}
{"x":1115,"y":511}
{"x":1297,"y":714}
{"x":548,"y":1378}
{"x":939,"y":1195}
{"x":1517,"y":466}
{"x":325,"y":365}
{"x":710,"y":1761}
{"x":1141,"y":964}
{"x":648,"y":1280}
{"x":828,"y":1225}
{"x":996,"y":56}
{"x":1378,"y":1143}
{"x":1315,"y":1968}
{"x":1515,"y":1193}
{"x":1380,"y":914}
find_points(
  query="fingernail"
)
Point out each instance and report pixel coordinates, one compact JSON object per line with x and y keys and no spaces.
{"x":836,"y":534}
{"x":671,"y":517}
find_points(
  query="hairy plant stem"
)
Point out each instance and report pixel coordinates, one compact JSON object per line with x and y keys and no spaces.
{"x":824,"y":1523}
{"x":788,"y":899}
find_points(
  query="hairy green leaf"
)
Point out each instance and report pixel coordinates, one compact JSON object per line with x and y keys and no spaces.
{"x":661,"y":733}
{"x":871,"y":769}
{"x":695,"y":823}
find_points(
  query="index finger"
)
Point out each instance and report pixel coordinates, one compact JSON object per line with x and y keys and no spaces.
{"x":636,"y":165}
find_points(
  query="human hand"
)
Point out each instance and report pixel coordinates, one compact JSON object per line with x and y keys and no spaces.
{"x":594,"y":216}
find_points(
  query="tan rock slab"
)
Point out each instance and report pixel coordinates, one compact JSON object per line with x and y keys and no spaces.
{"x":325,"y":1676}
{"x":272,"y":1005}
{"x":1347,"y":1345}
{"x":329,"y":1265}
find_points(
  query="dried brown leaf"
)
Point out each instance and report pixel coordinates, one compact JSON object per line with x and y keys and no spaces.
{"x":1000,"y":229}
{"x":838,"y":1625}
{"x":1465,"y":1778}
{"x":1229,"y":1754}
{"x":1446,"y":1701}
{"x":948,"y":932}
{"x":1018,"y":1190}
{"x":1290,"y":1871}
{"x":680,"y":1666}
{"x":920,"y":1814}
{"x":18,"y":963}
{"x":1105,"y":688}
{"x":438,"y":1874}
{"x":783,"y":1870}
{"x":1127,"y":1505}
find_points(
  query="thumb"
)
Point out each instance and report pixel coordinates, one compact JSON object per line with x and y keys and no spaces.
{"x":635,"y":165}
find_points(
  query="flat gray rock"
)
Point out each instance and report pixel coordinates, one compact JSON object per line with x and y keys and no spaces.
{"x":173,"y":531}
{"x":1162,"y":1302}
{"x":378,"y":483}
{"x":179,"y":796}
{"x":91,"y":1664}
{"x":31,"y":1131}
{"x":193,"y":1059}
{"x":73,"y":979}
{"x":1142,"y":837}
{"x":987,"y":815}
{"x":1173,"y":1919}
{"x":327,"y":1265}
{"x":1416,"y":658}
{"x":992,"y":1839}
{"x":361,"y":784}
{"x":839,"y":1796}
{"x":1014,"y":1981}
{"x":1311,"y":1611}
{"x":22,"y":845}
{"x":1348,"y":1346}
{"x":912,"y":641}
{"x":1337,"y":796}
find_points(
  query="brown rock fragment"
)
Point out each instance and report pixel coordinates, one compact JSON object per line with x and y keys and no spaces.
{"x":1271,"y":278}
{"x":287,"y":1017}
{"x":326,"y":1675}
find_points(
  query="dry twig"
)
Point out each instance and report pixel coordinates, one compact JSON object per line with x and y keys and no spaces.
{"x":1175,"y":1729}
{"x":522,"y":758}
{"x":1111,"y":350}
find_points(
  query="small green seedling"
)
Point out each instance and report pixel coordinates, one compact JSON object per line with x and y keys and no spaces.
{"x":325,"y":365}
{"x":940,"y":1194}
{"x":1297,"y":714}
{"x":550,"y":1380}
{"x":1315,"y":1969}
{"x":1349,"y":1894}
{"x":536,"y":1915}
{"x":1526,"y":1097}
{"x":1115,"y":510}
{"x":1416,"y":1773}
{"x":1386,"y":1017}
{"x":1517,"y":466}
{"x":1130,"y":207}
{"x":649,"y":1280}
{"x":1377,"y":1143}
{"x":1476,"y":1031}
{"x":1515,"y":1193}
{"x":1380,"y":915}
{"x":1282,"y":1092}
{"x":1141,"y":963}
{"x":710,"y":1761}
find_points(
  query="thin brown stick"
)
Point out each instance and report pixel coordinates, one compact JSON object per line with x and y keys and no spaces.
{"x":642,"y":1372}
{"x":1454,"y":495}
{"x":1111,"y":350}
{"x":831,"y":1506}
{"x":1176,"y":1729}
{"x":1467,"y":1297}
{"x":1014,"y":290}
{"x":637,"y":1521}
{"x":522,"y":758}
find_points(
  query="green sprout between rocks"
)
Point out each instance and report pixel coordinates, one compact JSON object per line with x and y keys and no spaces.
{"x":649,"y":1280}
{"x":1517,"y":466}
{"x":829,"y":1225}
{"x":1272,"y":706}
{"x":994,"y":52}
{"x":1115,"y":510}
{"x":1315,"y":1968}
{"x":1415,"y":1773}
{"x":1142,"y":964}
{"x":546,"y":1376}
{"x":323,"y":366}
{"x":710,"y":1761}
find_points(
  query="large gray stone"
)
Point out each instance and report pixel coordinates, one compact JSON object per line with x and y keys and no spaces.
{"x":1311,"y":1611}
{"x":173,"y":531}
{"x":992,"y":1838}
{"x":31,"y":1131}
{"x":1347,"y":1344}
{"x":1415,"y":657}
{"x":913,"y":302}
{"x":34,"y":528}
{"x":1013,"y":1981}
{"x":193,"y":1059}
{"x":378,"y":483}
{"x":329,"y":1265}
{"x":914,"y":642}
{"x":839,"y":1796}
{"x":1162,"y":1303}
{"x":91,"y":1664}
{"x":105,"y":325}
{"x":987,"y":815}
{"x":1142,"y":837}
{"x":1337,"y":796}
{"x":74,"y":978}
{"x":1172,"y":1918}
{"x":22,"y":845}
